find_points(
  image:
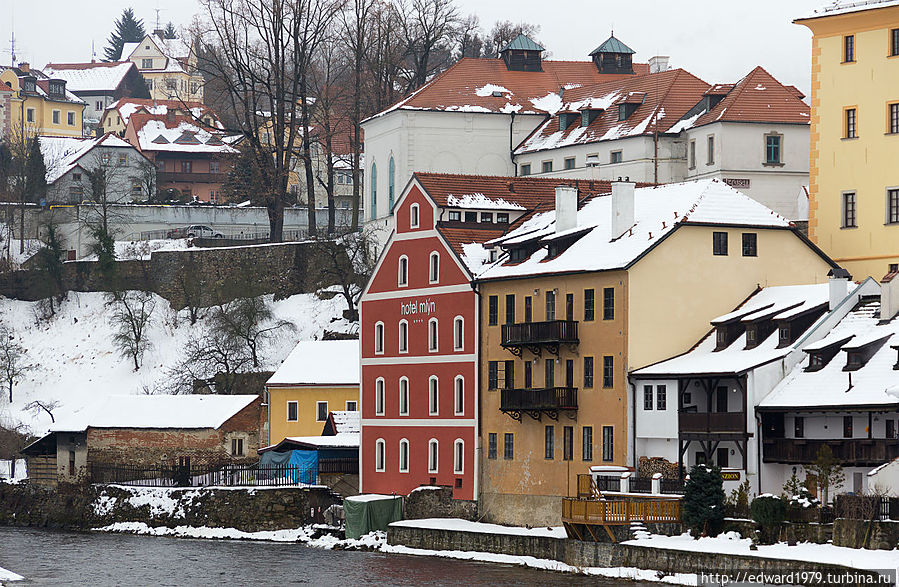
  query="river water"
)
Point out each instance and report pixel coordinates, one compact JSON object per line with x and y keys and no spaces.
{"x":46,"y":557}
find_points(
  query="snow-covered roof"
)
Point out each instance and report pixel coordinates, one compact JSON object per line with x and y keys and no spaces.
{"x":127,"y":107}
{"x":175,"y":50}
{"x":829,"y":387}
{"x":658,"y":211}
{"x":90,"y":77}
{"x":320,"y":362}
{"x":340,"y":440}
{"x":156,"y":411}
{"x":347,"y":421}
{"x":479,"y":201}
{"x":62,"y":154}
{"x":703,"y":359}
{"x":846,"y":6}
{"x":181,"y":135}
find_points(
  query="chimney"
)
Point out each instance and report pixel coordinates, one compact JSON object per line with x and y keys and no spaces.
{"x":839,"y":279}
{"x":889,"y":295}
{"x":622,"y":207}
{"x":159,"y":33}
{"x":658,"y":64}
{"x":566,"y":208}
{"x":24,"y":67}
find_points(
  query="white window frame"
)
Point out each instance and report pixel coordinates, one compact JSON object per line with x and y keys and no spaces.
{"x":433,"y":455}
{"x":380,"y":455}
{"x":379,"y":338}
{"x":434,"y":267}
{"x":380,"y":399}
{"x":404,"y":451}
{"x":404,"y":396}
{"x":433,"y":395}
{"x":458,"y":333}
{"x":403,"y":335}
{"x":297,"y":411}
{"x":459,"y":457}
{"x":29,"y":115}
{"x":402,"y":271}
{"x":413,"y":216}
{"x":459,"y":395}
{"x":57,"y":117}
{"x":318,"y":412}
{"x":70,"y":118}
{"x":433,"y":335}
{"x":354,"y":403}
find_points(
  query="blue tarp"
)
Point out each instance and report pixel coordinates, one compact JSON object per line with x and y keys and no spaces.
{"x":301,"y":466}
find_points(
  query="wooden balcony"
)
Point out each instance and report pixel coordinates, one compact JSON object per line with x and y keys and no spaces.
{"x":712,"y":423}
{"x":586,"y":519}
{"x":536,"y":336}
{"x":163,"y":177}
{"x":858,"y":452}
{"x":536,"y":402}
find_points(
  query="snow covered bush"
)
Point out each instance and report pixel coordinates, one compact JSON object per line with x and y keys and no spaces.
{"x":769,"y":512}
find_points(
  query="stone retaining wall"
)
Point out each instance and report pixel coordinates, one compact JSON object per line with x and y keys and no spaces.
{"x":878,"y":535}
{"x":438,"y":502}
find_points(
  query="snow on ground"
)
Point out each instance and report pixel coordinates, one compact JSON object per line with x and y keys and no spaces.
{"x":10,"y":247}
{"x":731,"y":543}
{"x":7,"y":575}
{"x":74,"y":361}
{"x":466,"y":526}
{"x":141,"y":250}
{"x":7,"y":472}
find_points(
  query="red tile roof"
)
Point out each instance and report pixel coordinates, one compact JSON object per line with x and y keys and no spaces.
{"x":458,"y":237}
{"x":759,"y":97}
{"x":457,"y":87}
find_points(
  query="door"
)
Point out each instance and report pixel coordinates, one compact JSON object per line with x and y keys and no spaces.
{"x":569,"y":373}
{"x":527,"y":309}
{"x":721,"y":399}
{"x":721,"y":456}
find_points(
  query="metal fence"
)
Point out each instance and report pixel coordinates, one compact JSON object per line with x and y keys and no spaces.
{"x":638,"y":484}
{"x":287,"y":235}
{"x":231,"y":475}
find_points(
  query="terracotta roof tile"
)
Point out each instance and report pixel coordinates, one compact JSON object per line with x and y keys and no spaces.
{"x":759,"y":97}
{"x":457,"y":237}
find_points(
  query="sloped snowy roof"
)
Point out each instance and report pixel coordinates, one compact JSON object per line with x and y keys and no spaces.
{"x":88,"y":77}
{"x":341,"y":440}
{"x":320,"y":362}
{"x":347,"y":421}
{"x":182,"y":135}
{"x":156,"y":411}
{"x":846,"y":6}
{"x":62,"y":154}
{"x":658,"y":211}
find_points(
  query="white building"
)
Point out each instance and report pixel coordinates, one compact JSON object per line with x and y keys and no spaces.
{"x":169,"y":66}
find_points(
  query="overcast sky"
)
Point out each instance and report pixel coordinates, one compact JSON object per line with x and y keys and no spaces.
{"x":717,"y":40}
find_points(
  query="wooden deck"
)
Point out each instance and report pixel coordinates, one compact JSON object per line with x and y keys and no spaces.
{"x":586,"y":519}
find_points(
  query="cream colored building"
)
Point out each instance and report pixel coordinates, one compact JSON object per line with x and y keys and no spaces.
{"x":169,"y":67}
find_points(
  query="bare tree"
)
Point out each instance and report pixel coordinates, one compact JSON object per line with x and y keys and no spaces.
{"x":248,"y":320}
{"x":347,"y":262}
{"x":38,"y":406}
{"x":215,"y":356}
{"x":12,"y":360}
{"x":428,"y":28}
{"x":470,"y":37}
{"x":504,"y":32}
{"x":146,"y":176}
{"x":384,"y":58}
{"x":130,"y":318}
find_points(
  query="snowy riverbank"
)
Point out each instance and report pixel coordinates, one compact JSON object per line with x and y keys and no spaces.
{"x":7,"y":575}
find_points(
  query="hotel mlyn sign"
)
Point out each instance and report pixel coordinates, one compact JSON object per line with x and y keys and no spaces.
{"x":413,"y":307}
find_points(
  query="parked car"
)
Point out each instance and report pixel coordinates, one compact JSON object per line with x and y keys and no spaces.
{"x":194,"y":231}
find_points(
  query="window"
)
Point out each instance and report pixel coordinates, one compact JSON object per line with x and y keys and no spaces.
{"x":750,"y":244}
{"x":528,"y":375}
{"x":508,"y":446}
{"x":893,"y":206}
{"x":492,"y":310}
{"x":693,"y":154}
{"x":351,"y":406}
{"x":186,"y":167}
{"x":549,"y":442}
{"x":57,"y":116}
{"x":455,"y":216}
{"x":379,"y":455}
{"x":568,"y":443}
{"x":136,"y":188}
{"x":608,"y":371}
{"x":509,"y":375}
{"x":615,"y":157}
{"x":772,"y":149}
{"x":76,"y":177}
{"x":391,"y":173}
{"x":321,"y":411}
{"x":851,"y":130}
{"x":413,"y":216}
{"x":661,"y":397}
{"x":404,"y":337}
{"x":379,"y":396}
{"x":526,"y":169}
{"x":434,"y":274}
{"x":237,"y":447}
{"x":719,"y":243}
{"x":432,"y":335}
{"x":146,"y":64}
{"x":471,"y":217}
{"x":29,"y":115}
{"x":379,"y":338}
{"x":70,"y":118}
{"x":588,"y":372}
{"x":550,"y":305}
{"x":98,"y":105}
{"x":458,"y":333}
{"x":510,"y":308}
{"x":893,"y":127}
{"x":894,"y":42}
{"x":527,"y":308}
{"x":849,"y":210}
{"x":891,"y":429}
{"x":647,"y":397}
{"x":487,"y":217}
{"x":587,"y":443}
{"x":433,"y":397}
{"x":589,"y":304}
{"x":404,"y":396}
{"x":403,"y":271}
{"x":502,"y":217}
{"x":569,"y":162}
{"x":404,"y":455}
{"x":546,"y":166}
{"x":149,"y":87}
{"x":373,"y":196}
{"x":607,"y":438}
{"x":432,"y":455}
{"x":549,"y":373}
{"x":492,"y":374}
{"x":293,"y":411}
{"x":458,"y":456}
{"x":608,"y":303}
{"x":848,"y":48}
{"x":847,"y":426}
{"x":491,"y":446}
{"x":194,"y":87}
{"x":710,"y":142}
{"x":171,"y":84}
{"x":459,"y":396}
{"x":798,"y":427}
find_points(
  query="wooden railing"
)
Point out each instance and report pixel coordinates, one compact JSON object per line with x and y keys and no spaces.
{"x":182,"y":176}
{"x":712,"y":422}
{"x":549,"y":398}
{"x":537,"y":333}
{"x":849,"y":451}
{"x":587,"y":511}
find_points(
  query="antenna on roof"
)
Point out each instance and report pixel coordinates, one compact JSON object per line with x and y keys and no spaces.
{"x":93,"y":52}
{"x":158,"y":10}
{"x":12,"y":34}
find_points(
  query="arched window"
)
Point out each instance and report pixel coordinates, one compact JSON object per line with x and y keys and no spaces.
{"x":432,"y":335}
{"x":373,"y":213}
{"x":379,"y":338}
{"x":391,"y":172}
{"x":404,"y":336}
{"x":434,"y":273}
{"x":404,"y":396}
{"x":459,"y":396}
{"x":404,"y":455}
{"x":458,"y":333}
{"x":432,"y":455}
{"x":433,"y":396}
{"x":459,"y":456}
{"x":403,"y":271}
{"x":379,"y":396}
{"x":379,"y":455}
{"x":413,"y":216}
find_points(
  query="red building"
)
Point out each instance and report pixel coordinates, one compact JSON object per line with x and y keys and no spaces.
{"x":419,"y":316}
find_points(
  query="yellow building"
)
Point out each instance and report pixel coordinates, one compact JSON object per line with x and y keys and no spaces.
{"x":585,"y":296}
{"x":854,"y":180}
{"x":40,"y":104}
{"x":317,"y":378}
{"x":169,"y":67}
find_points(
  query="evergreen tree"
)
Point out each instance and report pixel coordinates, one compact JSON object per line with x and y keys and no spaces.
{"x":128,"y":29}
{"x":35,"y":173}
{"x":702,"y":509}
{"x":169,"y":32}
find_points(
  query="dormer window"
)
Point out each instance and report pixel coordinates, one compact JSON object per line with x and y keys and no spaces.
{"x":816,"y":361}
{"x":613,"y":56}
{"x":455,"y":216}
{"x":784,"y":334}
{"x":726,"y":334}
{"x":522,"y":54}
{"x":57,"y":88}
{"x":751,"y":335}
{"x":502,"y":218}
{"x":29,"y":85}
{"x":896,"y":366}
{"x":626,"y":109}
{"x":566,"y":119}
{"x":471,"y":217}
{"x":589,"y":115}
{"x":858,"y":355}
{"x":853,"y":361}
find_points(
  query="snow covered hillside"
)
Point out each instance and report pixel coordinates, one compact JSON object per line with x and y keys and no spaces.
{"x":74,"y":361}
